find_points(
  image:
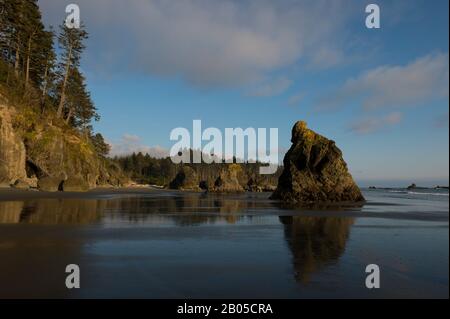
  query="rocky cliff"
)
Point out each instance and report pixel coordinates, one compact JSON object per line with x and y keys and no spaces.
{"x":315,"y":171}
{"x":37,"y":153}
{"x":12,"y":149}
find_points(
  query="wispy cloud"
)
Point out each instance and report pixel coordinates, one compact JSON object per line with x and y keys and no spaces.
{"x":271,"y":88}
{"x":295,"y":99}
{"x":373,"y":124}
{"x":416,"y":83}
{"x":129,"y":144}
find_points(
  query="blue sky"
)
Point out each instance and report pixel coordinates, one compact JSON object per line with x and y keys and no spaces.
{"x":381,"y":94}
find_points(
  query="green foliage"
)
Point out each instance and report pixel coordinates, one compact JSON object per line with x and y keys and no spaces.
{"x":46,"y":88}
{"x":161,"y":171}
{"x":100,"y":146}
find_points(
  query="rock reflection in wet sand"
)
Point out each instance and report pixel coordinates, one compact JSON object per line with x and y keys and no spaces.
{"x":315,"y":242}
{"x":186,"y":209}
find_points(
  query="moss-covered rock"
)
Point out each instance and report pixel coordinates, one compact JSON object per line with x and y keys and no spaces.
{"x":12,"y":149}
{"x":315,"y":172}
{"x":36,"y":146}
{"x":55,"y":152}
{"x":21,"y":184}
{"x":75,"y":184}
{"x":50,"y":184}
{"x":228,"y":180}
{"x":186,"y":179}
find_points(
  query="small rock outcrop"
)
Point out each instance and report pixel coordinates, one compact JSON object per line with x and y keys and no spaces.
{"x":186,"y":179}
{"x":252,"y":186}
{"x":21,"y":184}
{"x":315,"y":172}
{"x":50,"y":184}
{"x":228,"y":180}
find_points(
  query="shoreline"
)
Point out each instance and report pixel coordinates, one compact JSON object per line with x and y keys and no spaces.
{"x":20,"y":194}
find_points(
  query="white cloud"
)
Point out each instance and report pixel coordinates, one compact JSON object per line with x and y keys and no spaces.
{"x":372,"y":124}
{"x":129,"y":144}
{"x":212,"y":42}
{"x":416,"y":83}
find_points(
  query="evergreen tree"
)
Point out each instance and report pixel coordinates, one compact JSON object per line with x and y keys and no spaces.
{"x":79,"y":105}
{"x":32,"y":30}
{"x":47,"y":57}
{"x":100,"y":145}
{"x":71,"y":44}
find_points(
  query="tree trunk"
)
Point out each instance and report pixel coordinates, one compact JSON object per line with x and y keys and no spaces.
{"x":9,"y":61}
{"x":27,"y":70}
{"x":44,"y":89}
{"x":69,"y":116}
{"x":16,"y":62}
{"x":63,"y":88}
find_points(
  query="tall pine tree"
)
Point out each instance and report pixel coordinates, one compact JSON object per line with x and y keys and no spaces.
{"x":71,"y":44}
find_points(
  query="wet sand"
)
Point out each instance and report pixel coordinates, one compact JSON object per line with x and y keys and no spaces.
{"x":162,"y":244}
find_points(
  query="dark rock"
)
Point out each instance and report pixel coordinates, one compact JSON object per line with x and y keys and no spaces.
{"x":204,"y":185}
{"x":315,"y":172}
{"x":412,"y":186}
{"x":50,"y":184}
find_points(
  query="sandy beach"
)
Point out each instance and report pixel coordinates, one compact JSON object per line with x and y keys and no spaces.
{"x":157,"y":243}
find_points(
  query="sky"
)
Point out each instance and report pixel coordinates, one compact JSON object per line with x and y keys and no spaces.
{"x":381,"y":94}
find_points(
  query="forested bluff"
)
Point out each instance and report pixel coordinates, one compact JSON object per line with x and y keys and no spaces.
{"x":47,"y":141}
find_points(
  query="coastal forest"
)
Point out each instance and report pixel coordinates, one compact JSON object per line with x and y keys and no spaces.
{"x":47,"y":140}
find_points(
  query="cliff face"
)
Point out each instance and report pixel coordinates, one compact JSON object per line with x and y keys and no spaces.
{"x":53,"y":153}
{"x":12,"y":149}
{"x":314,"y":171}
{"x":48,"y":156}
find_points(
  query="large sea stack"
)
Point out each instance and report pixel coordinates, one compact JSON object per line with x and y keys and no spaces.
{"x":315,"y":172}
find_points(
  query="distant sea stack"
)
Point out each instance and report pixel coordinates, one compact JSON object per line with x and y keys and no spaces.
{"x":315,"y":172}
{"x":228,"y":180}
{"x":186,"y":179}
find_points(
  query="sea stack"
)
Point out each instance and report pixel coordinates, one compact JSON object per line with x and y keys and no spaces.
{"x":315,"y":172}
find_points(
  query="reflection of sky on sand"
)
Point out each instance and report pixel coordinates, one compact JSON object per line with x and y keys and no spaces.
{"x":171,"y":244}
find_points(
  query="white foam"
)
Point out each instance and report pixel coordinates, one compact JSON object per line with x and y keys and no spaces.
{"x":432,"y":194}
